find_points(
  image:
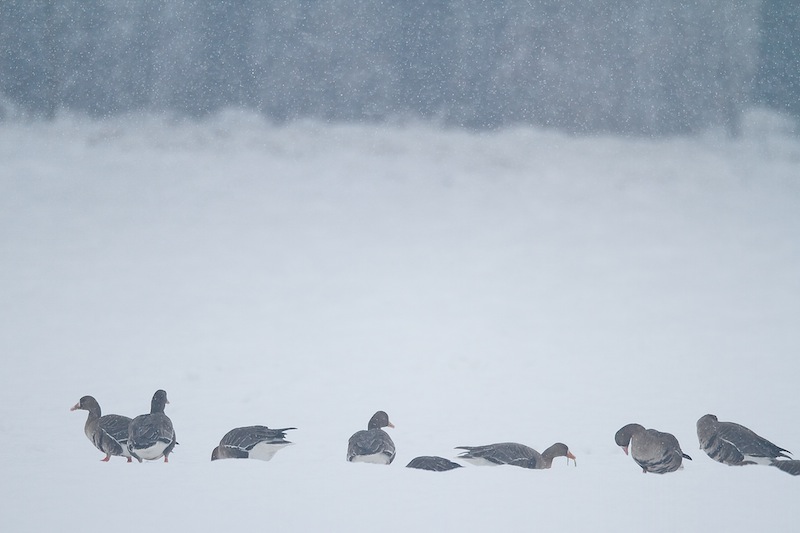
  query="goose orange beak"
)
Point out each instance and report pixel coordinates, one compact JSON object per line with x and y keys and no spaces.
{"x":570,"y":455}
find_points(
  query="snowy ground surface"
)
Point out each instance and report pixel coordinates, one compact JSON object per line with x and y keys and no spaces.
{"x":518,"y":285}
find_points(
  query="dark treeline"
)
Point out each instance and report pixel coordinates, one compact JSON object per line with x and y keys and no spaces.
{"x":644,"y":67}
{"x":778,"y":80}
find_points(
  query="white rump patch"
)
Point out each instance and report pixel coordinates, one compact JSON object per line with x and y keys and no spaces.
{"x":265,"y":451}
{"x":758,"y":460}
{"x":375,"y":458}
{"x":478,"y":461}
{"x":153,"y":452}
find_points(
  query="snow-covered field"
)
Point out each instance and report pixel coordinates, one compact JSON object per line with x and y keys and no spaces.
{"x":519,"y":285}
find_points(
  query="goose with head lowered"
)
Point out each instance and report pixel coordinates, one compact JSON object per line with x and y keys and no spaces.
{"x":251,"y":442}
{"x":515,"y":454}
{"x":151,"y":436}
{"x":652,"y":450}
{"x":372,"y":445}
{"x":434,"y":463}
{"x":108,"y":433}
{"x":735,"y":445}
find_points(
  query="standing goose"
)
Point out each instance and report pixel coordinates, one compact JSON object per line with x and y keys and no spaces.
{"x":512,"y":453}
{"x":108,"y":433}
{"x":735,"y":445}
{"x":433,"y":463}
{"x":151,"y":436}
{"x":372,"y":445}
{"x":653,"y":450}
{"x":253,"y":442}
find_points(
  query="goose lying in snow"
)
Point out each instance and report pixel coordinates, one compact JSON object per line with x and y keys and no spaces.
{"x":251,"y":442}
{"x":433,"y":463}
{"x":735,"y":445}
{"x":512,"y":453}
{"x":372,"y":445}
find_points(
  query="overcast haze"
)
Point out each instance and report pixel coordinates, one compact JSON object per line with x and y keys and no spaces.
{"x":513,"y":221}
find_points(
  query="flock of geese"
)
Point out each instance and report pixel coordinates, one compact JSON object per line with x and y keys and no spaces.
{"x":151,"y":436}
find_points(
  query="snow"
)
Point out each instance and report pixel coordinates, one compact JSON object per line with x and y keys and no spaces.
{"x":518,"y":285}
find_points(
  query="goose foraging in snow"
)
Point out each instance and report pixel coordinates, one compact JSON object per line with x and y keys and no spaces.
{"x":433,"y":463}
{"x":151,"y":436}
{"x":372,"y":445}
{"x":251,"y":442}
{"x":652,"y":450}
{"x":108,"y":433}
{"x":515,"y":454}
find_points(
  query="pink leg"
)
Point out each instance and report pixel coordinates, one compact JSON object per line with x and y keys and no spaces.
{"x":130,"y":460}
{"x":107,"y":457}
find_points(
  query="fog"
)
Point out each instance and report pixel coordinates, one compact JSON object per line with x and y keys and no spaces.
{"x":530,"y":221}
{"x":519,"y":285}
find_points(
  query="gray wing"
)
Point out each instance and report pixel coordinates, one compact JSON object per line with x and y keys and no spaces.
{"x":721,"y":450}
{"x":658,"y":452}
{"x":791,"y":466}
{"x":748,"y":442}
{"x":508,"y":453}
{"x":146,"y":430}
{"x":370,"y":442}
{"x":116,"y":426}
{"x":111,"y":436}
{"x":670,"y":445}
{"x":433,"y":463}
{"x":245,"y":438}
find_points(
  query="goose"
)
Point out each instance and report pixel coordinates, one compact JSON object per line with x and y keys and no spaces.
{"x":433,"y":463}
{"x":108,"y":433}
{"x":251,"y":442}
{"x":735,"y":445}
{"x":372,"y":445}
{"x":151,"y":436}
{"x":515,"y":454}
{"x":652,"y":450}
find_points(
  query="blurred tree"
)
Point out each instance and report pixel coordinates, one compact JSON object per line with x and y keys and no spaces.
{"x":779,"y":65}
{"x":649,"y":67}
{"x":28,"y":66}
